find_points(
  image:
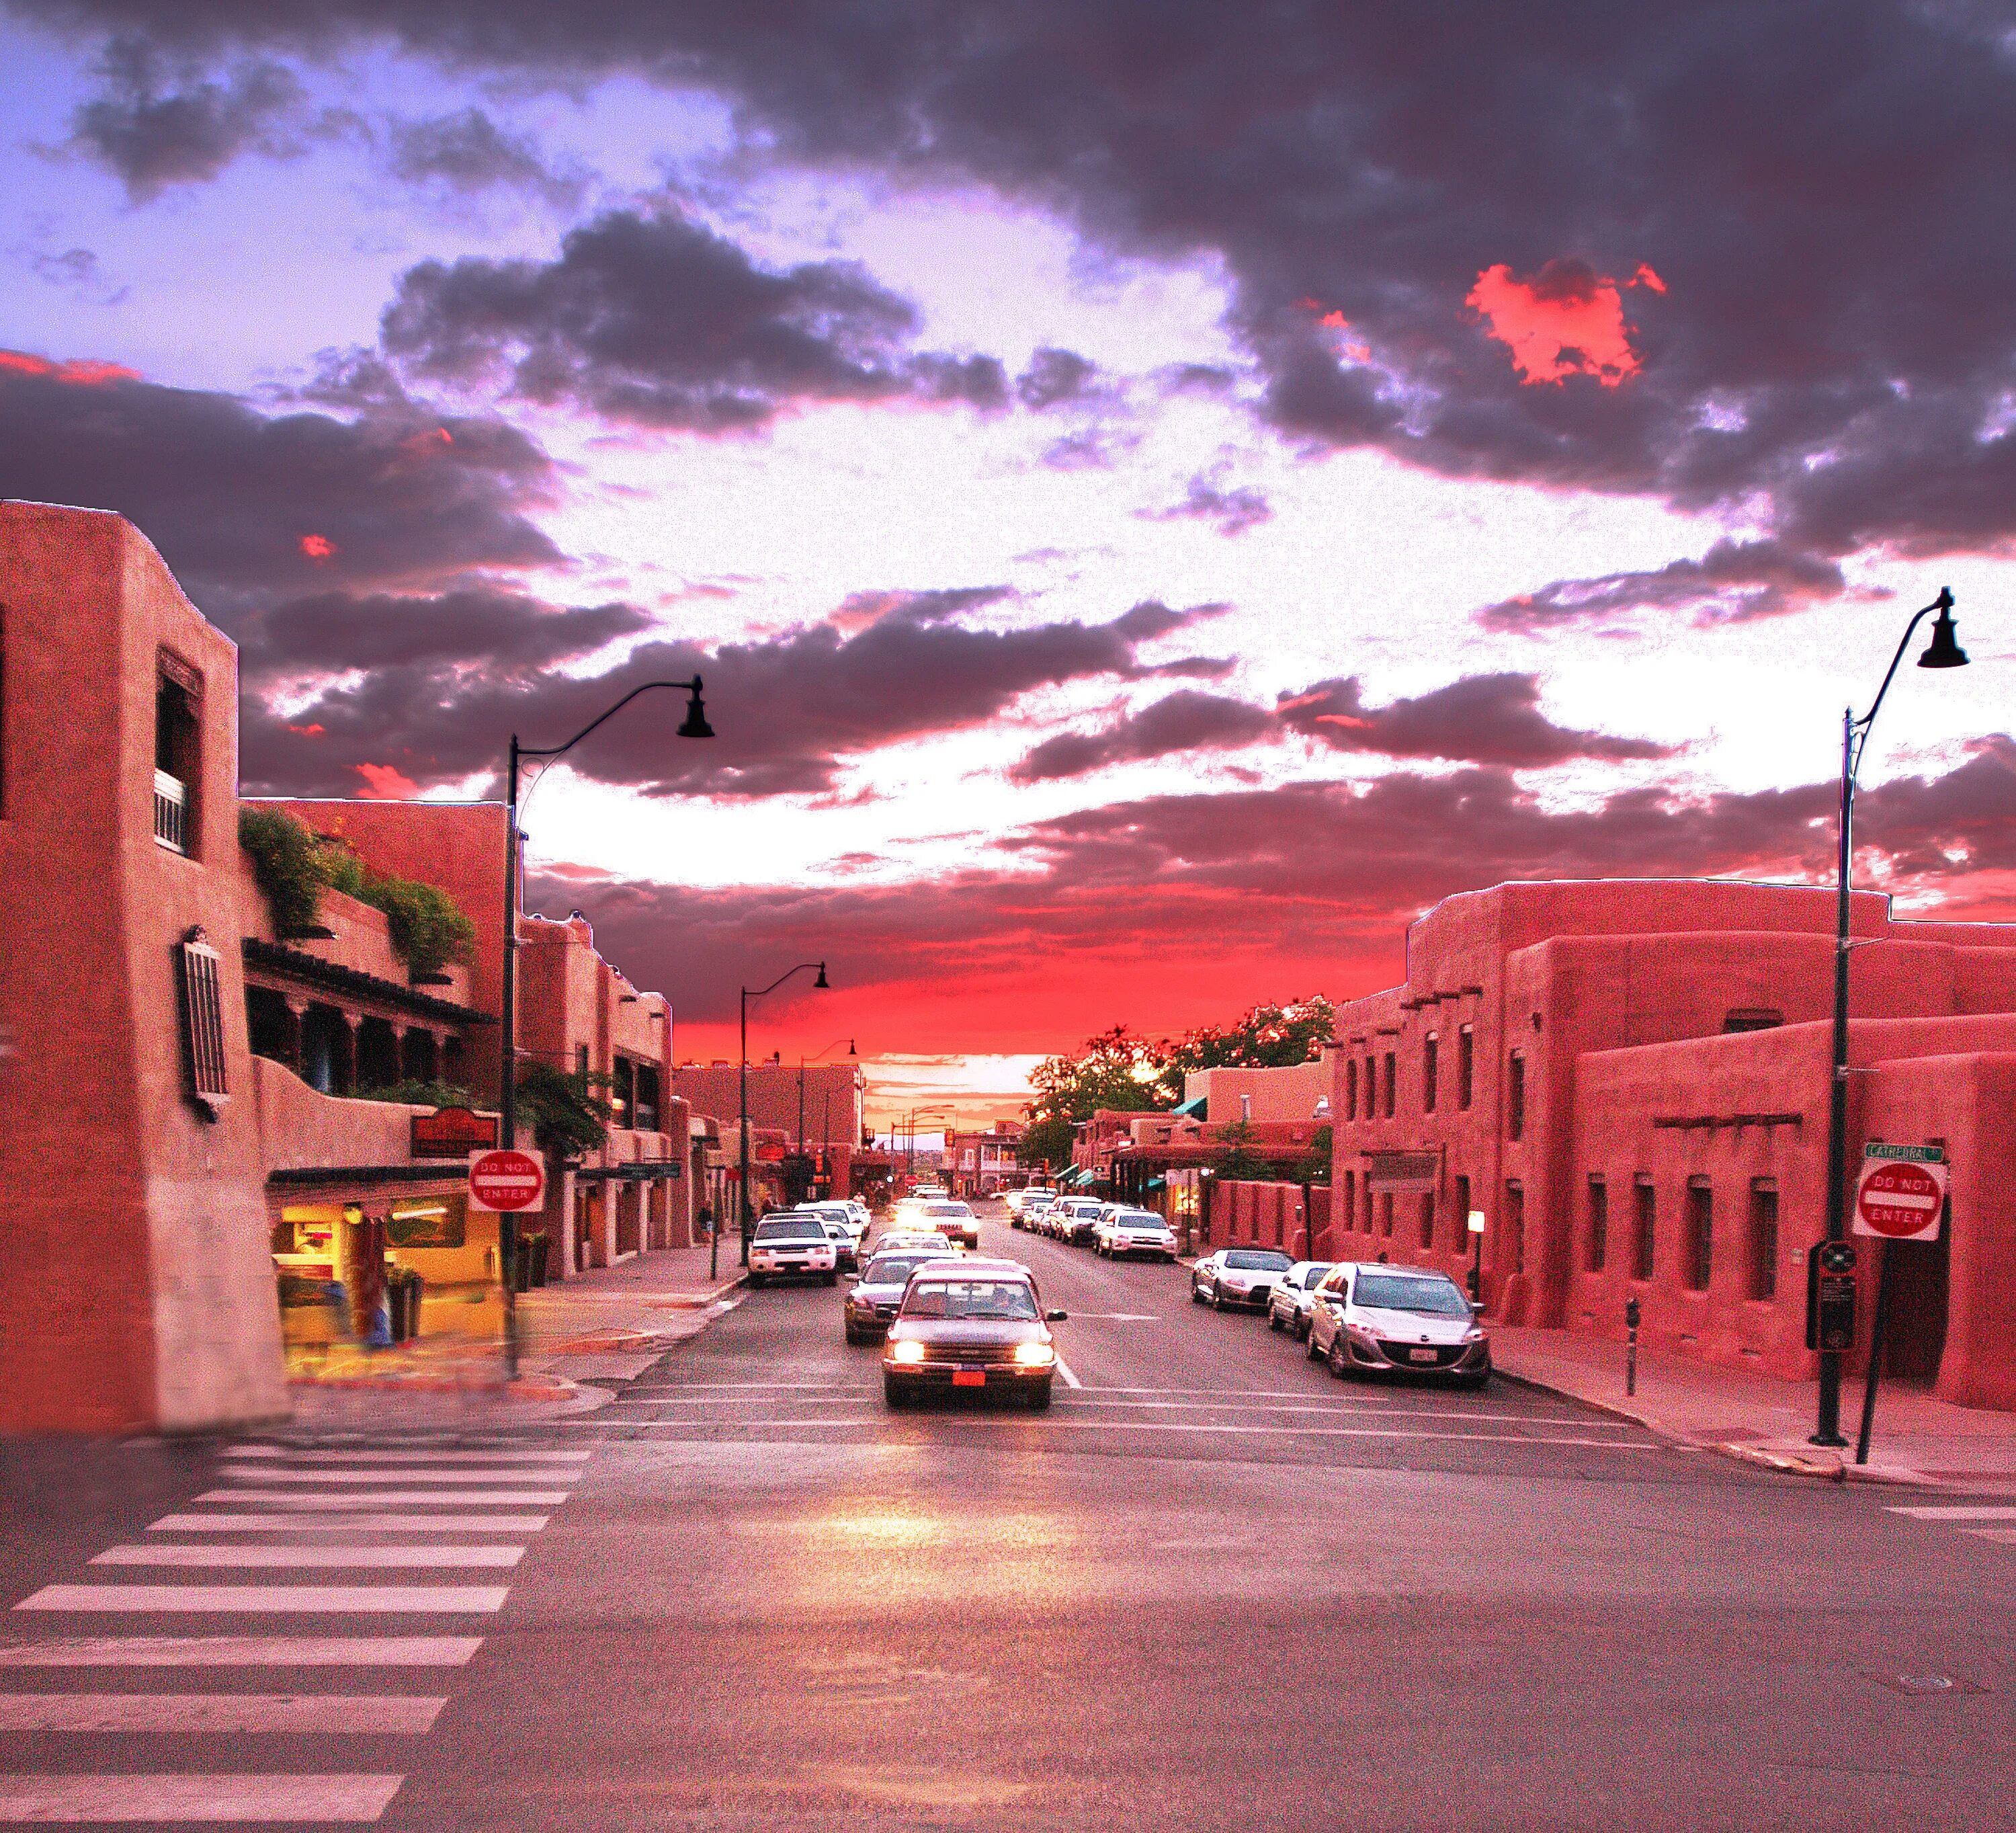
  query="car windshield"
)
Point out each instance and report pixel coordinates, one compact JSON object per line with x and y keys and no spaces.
{"x":1426,"y":1293}
{"x":947,"y":1209}
{"x":1007,"y":1299}
{"x":1139,"y":1219}
{"x":1317,"y":1272}
{"x":893,"y":1270}
{"x":791,"y":1228}
{"x":1249,"y":1260}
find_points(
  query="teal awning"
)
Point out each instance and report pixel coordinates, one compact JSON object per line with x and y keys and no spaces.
{"x":1154,"y":1184}
{"x":1195,"y":1108}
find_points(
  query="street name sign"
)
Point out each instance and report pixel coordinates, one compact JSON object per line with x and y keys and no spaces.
{"x":505,"y":1182}
{"x":1903,"y":1192}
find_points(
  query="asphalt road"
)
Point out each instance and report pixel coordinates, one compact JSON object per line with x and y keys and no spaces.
{"x":1213,"y":1588}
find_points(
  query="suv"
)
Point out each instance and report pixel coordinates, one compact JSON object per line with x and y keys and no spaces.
{"x":1123,"y":1231}
{"x":953,"y":1218}
{"x":788,"y":1246}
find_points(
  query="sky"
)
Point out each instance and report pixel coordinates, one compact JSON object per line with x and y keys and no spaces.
{"x":1159,"y":495}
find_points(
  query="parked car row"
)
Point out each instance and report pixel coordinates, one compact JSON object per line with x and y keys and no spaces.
{"x":1117,"y":1230}
{"x":819,"y":1239}
{"x":1360,"y":1317}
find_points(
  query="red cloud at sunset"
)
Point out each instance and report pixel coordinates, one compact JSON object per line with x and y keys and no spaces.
{"x":383,"y":783}
{"x":1568,"y":320}
{"x":85,"y":373}
{"x":317,"y":547}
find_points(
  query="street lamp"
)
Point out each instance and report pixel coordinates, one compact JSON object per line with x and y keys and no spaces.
{"x":821,"y":983}
{"x":1943,"y":651}
{"x":802,"y":1062}
{"x":693,"y":725}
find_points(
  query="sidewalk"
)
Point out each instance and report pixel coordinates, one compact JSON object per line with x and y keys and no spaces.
{"x":608,"y":1325}
{"x":1916,"y":1439}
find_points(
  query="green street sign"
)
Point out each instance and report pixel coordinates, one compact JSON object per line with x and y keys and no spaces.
{"x":1913,"y":1154}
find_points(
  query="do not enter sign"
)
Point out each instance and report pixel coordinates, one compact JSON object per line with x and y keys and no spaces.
{"x":1900,"y":1199}
{"x":505,"y":1181}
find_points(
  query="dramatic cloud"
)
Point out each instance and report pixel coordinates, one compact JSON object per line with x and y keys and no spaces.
{"x":1054,"y":376}
{"x":1492,"y":719}
{"x":1734,"y":581}
{"x":655,"y":320}
{"x":1185,"y":721}
{"x":467,"y":153}
{"x":1568,"y":320}
{"x":230,"y":495}
{"x":151,"y":136}
{"x":791,"y":709}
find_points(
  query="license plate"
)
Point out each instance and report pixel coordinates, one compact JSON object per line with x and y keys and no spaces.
{"x":969,"y":1377}
{"x":1420,"y":1356}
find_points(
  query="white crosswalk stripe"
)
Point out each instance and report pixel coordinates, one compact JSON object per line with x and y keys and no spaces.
{"x":1969,"y":1518}
{"x":292,"y":1511}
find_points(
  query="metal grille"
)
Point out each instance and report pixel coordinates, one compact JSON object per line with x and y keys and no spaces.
{"x":171,"y":812}
{"x":202,"y":1022}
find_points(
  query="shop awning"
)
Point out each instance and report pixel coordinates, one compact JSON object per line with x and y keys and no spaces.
{"x":1193,"y":1109}
{"x":1155,"y":1183}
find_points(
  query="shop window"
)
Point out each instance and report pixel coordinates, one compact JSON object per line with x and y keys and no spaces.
{"x":1351,"y":1089}
{"x":177,"y":707}
{"x":1429,"y":1046}
{"x":1751,"y":1018}
{"x":1598,"y":1249}
{"x":202,"y":1014}
{"x":1466,"y":1066}
{"x":1644,"y":1234}
{"x":1392,"y":1077}
{"x":1513,"y":1257}
{"x":1386,"y":1213}
{"x":1700,"y":1233}
{"x":1763,"y":1239}
{"x":1515,"y":1097}
{"x":1427,"y":1219}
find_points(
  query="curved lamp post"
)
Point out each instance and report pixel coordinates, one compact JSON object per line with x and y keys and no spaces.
{"x":1942,"y":652}
{"x":742,"y":1199}
{"x":693,"y":725}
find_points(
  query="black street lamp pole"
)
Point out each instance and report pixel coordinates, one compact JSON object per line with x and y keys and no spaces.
{"x":743,"y":1117}
{"x":693,"y":725}
{"x":1942,"y":652}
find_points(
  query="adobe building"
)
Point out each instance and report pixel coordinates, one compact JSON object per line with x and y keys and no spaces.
{"x":1292,"y":1092}
{"x":804,"y":1119}
{"x":1628,"y":1080}
{"x":189,"y":1163}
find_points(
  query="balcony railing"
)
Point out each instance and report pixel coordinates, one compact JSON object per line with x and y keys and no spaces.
{"x":171,"y":812}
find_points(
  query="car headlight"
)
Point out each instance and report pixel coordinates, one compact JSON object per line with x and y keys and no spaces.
{"x":1035,"y":1354}
{"x":1474,"y":1335}
{"x":908,"y":1351}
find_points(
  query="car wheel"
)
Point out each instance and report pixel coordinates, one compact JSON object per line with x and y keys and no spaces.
{"x":1217,"y":1299}
{"x":853,"y":1335}
{"x":1315,"y":1349}
{"x":894,"y":1391}
{"x":1273,"y":1319}
{"x":1039,"y":1398}
{"x":756,"y":1280}
{"x":1197,"y":1295}
{"x":828,"y":1279}
{"x":1340,"y":1356}
{"x":1301,"y":1328}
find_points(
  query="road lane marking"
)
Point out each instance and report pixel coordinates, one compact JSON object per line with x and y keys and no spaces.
{"x":41,"y":1800}
{"x":1086,"y":1400}
{"x":1054,"y":1424}
{"x":359,"y":1714}
{"x":320,"y":1499}
{"x":348,"y":1524}
{"x":293,"y":1455}
{"x":262,"y":1474}
{"x":1064,"y":1369}
{"x":242,"y":1651}
{"x":1957,"y":1513}
{"x":310,"y":1554}
{"x":1113,"y":1317}
{"x":370,"y":1600}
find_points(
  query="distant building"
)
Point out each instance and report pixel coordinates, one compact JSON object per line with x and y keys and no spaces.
{"x":1628,"y":1082}
{"x":980,"y":1161}
{"x":1299,"y":1091}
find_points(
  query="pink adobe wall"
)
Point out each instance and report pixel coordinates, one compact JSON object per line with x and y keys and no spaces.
{"x":1287,"y":1093}
{"x":773,"y":1097}
{"x":136,"y":1288}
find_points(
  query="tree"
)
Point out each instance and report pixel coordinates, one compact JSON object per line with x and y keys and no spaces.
{"x":1268,"y":1037}
{"x":1239,"y":1160}
{"x":1114,"y":1070}
{"x":569,"y":1112}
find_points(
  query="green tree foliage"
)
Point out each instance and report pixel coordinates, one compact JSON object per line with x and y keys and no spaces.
{"x":568,"y":1112}
{"x":294,"y":866}
{"x":1238,"y":1159}
{"x":1114,"y":1070}
{"x":1268,"y":1037}
{"x":1046,"y":1142}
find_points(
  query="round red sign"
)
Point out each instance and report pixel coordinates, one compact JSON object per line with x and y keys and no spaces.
{"x":506,"y":1180}
{"x":1899,"y":1200}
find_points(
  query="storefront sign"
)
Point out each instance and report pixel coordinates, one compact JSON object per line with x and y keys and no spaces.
{"x":1403,"y":1172}
{"x":452,"y":1132}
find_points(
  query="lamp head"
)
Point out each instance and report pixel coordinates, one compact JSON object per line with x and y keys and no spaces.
{"x":821,"y":982}
{"x":1944,"y":650}
{"x":695,"y":725}
{"x":850,"y":1046}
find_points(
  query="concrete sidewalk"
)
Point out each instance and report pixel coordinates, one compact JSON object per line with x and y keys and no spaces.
{"x":1916,"y":1438}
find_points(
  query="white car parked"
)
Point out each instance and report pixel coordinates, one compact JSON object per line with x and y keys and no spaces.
{"x":792,"y":1246}
{"x":1126,"y":1232}
{"x":1288,"y":1305}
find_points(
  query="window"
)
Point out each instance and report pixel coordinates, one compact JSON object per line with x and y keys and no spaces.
{"x":1371,"y":1086}
{"x":1763,"y":1239}
{"x":1515,"y":1098}
{"x":1641,"y":1238}
{"x":1427,"y":1219}
{"x":581,"y":1059}
{"x":1598,"y":1249}
{"x":1751,"y":1018}
{"x":1368,"y":1202}
{"x":1429,"y":1045}
{"x":1465,"y":1065}
{"x":1700,"y":1233}
{"x":1351,"y":1089}
{"x":177,"y":698}
{"x":1351,"y":1199}
{"x":202,"y":1014}
{"x":1386,"y":1213}
{"x":1462,"y":1213}
{"x":1514,"y":1256}
{"x":1392,"y":1077}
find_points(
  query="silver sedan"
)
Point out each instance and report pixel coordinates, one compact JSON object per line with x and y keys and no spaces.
{"x":1244,"y":1276}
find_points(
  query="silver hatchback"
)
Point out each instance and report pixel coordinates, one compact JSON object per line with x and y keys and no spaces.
{"x":1368,"y":1318}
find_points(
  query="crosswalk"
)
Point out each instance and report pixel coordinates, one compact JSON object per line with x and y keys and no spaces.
{"x":1980,"y":1520}
{"x":350,"y":1543}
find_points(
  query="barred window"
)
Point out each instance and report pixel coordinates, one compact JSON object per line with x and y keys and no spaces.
{"x":202,"y":1004}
